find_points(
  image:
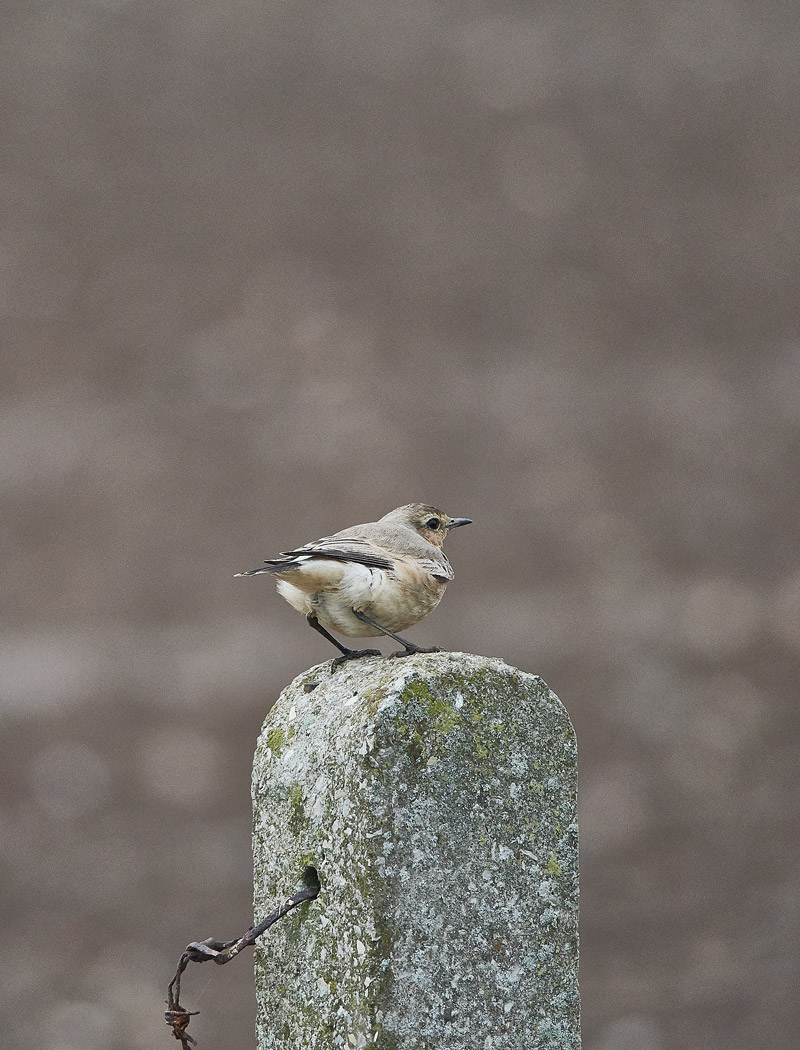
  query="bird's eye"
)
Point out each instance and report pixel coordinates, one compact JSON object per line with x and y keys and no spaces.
{"x":432,"y":523}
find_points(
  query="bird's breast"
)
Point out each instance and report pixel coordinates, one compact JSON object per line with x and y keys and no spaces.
{"x":404,"y":598}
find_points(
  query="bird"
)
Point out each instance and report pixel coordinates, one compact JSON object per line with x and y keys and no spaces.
{"x":374,"y":579}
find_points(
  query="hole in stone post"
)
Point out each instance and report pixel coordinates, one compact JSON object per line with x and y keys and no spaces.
{"x":309,"y":878}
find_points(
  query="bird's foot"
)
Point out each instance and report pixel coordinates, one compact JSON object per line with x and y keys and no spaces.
{"x":354,"y":654}
{"x":411,"y":649}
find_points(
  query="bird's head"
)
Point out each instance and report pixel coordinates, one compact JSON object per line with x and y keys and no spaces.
{"x":432,"y":524}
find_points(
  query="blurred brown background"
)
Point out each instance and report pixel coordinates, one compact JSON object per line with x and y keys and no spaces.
{"x":268,"y":269}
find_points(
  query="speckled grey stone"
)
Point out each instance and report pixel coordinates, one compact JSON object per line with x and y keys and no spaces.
{"x":435,"y":795}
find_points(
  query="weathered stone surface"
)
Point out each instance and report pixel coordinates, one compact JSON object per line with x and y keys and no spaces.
{"x":435,"y":796}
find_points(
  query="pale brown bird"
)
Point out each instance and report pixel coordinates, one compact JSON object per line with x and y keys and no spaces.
{"x":370,"y":580}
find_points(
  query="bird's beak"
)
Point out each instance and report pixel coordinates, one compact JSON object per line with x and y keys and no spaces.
{"x":455,"y":522}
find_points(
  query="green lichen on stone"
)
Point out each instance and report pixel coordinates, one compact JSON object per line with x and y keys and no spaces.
{"x":553,"y":867}
{"x":441,"y":715}
{"x":435,"y":798}
{"x":275,"y":740}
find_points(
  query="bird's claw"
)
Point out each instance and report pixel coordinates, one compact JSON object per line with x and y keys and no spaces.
{"x":353,"y":654}
{"x":412,"y":649}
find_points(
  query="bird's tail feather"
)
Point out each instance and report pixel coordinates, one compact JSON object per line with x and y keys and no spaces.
{"x":265,"y":568}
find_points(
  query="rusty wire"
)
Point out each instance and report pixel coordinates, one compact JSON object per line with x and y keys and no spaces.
{"x":176,"y":1016}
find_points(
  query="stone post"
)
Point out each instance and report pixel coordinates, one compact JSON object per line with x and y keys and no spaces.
{"x":434,"y":797}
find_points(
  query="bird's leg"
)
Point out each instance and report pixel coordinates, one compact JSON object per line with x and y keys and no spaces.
{"x":408,"y":647}
{"x":347,"y":654}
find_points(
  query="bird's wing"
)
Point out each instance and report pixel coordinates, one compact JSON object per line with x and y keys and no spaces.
{"x":339,"y":549}
{"x":334,"y":548}
{"x":359,"y":544}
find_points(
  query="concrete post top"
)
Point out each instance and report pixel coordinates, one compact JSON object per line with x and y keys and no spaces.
{"x":438,"y":691}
